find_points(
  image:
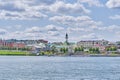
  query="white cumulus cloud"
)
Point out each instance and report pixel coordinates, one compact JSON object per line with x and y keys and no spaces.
{"x":68,"y":8}
{"x":113,"y":4}
{"x":3,"y":31}
{"x":92,"y":2}
{"x":81,"y":21}
{"x":115,"y":17}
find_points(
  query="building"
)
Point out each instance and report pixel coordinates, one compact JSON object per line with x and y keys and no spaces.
{"x":11,"y":44}
{"x":39,"y":46}
{"x":101,"y":44}
{"x":118,"y":44}
{"x":32,"y":42}
{"x":68,"y":45}
{"x":19,"y":45}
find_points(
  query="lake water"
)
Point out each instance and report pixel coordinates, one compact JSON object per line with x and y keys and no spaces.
{"x":59,"y":68}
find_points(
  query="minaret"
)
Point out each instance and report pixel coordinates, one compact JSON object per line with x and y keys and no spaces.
{"x":66,"y":37}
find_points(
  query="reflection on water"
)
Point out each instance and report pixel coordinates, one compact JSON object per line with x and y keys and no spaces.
{"x":59,"y":68}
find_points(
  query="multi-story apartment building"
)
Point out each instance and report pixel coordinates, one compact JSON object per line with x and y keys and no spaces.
{"x":101,"y":44}
{"x":91,"y":43}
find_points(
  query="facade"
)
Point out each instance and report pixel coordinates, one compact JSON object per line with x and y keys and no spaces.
{"x":101,"y":44}
{"x":92,"y":43}
{"x":13,"y":43}
{"x":41,"y":46}
{"x":118,"y":44}
{"x":32,"y":42}
{"x":59,"y":45}
{"x":19,"y":45}
{"x":4,"y":43}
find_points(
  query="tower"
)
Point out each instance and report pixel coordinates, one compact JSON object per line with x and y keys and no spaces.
{"x":66,"y":37}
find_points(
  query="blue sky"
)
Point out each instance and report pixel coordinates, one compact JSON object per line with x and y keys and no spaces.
{"x":51,"y":19}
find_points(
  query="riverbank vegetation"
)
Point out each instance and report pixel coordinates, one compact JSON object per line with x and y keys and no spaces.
{"x":15,"y":53}
{"x":14,"y":48}
{"x":58,"y":52}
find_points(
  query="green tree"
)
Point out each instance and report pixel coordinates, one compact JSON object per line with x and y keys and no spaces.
{"x":114,"y":48}
{"x":107,"y":49}
{"x":79,"y":49}
{"x":82,"y":49}
{"x":75,"y":50}
{"x":53,"y":49}
{"x":97,"y":49}
{"x":90,"y":49}
{"x":66,"y":49}
{"x":61,"y":49}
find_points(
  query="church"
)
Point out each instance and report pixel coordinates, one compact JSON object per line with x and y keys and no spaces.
{"x":65,"y":44}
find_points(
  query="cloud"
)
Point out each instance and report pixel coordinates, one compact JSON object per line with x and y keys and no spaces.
{"x":113,"y":4}
{"x":90,"y":36}
{"x":92,"y":2}
{"x":16,"y":5}
{"x":68,"y":8}
{"x":47,"y":2}
{"x":53,"y":33}
{"x":80,"y":21}
{"x":117,"y":33}
{"x":3,"y":31}
{"x":21,"y":15}
{"x":37,"y":29}
{"x":78,"y":29}
{"x":19,"y":10}
{"x":15,"y":27}
{"x":60,"y":17}
{"x":18,"y":26}
{"x":33,"y":30}
{"x":22,"y":35}
{"x":111,"y":28}
{"x":115,"y":17}
{"x":53,"y":28}
{"x":10,"y":7}
{"x":60,"y":7}
{"x":37,"y":32}
{"x":38,"y":9}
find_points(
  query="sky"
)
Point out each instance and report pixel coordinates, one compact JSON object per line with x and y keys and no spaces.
{"x":52,"y":19}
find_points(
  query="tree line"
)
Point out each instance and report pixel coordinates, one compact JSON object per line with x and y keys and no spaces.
{"x":14,"y":48}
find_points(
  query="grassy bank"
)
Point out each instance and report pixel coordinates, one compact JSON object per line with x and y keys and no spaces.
{"x":26,"y":53}
{"x":10,"y":52}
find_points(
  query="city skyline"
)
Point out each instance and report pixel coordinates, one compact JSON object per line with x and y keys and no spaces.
{"x":52,"y":19}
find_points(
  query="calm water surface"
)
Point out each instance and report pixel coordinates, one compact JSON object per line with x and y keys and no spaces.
{"x":59,"y":68}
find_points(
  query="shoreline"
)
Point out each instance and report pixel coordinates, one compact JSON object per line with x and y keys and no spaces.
{"x":67,"y":55}
{"x":26,"y":53}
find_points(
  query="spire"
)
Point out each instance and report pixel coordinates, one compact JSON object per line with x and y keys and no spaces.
{"x":66,"y":37}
